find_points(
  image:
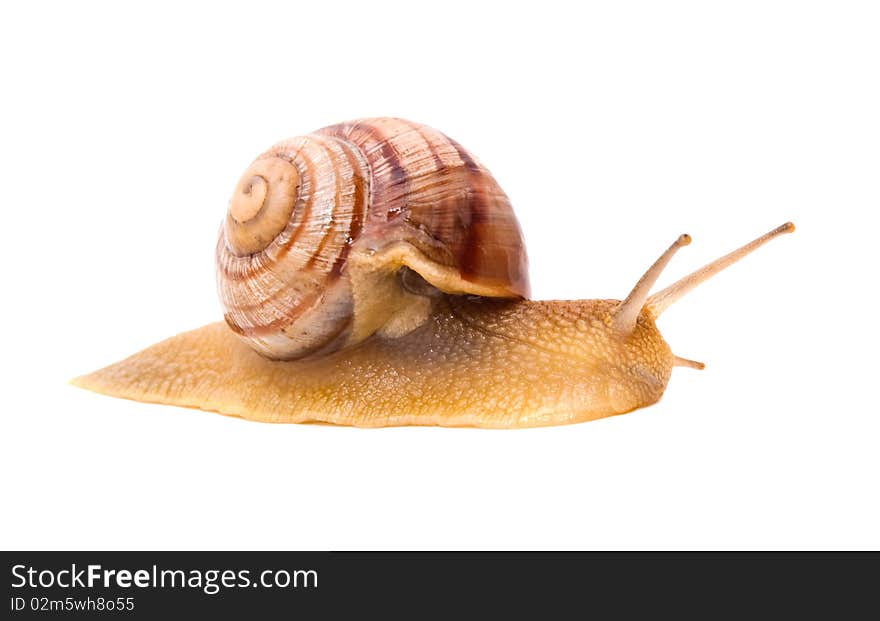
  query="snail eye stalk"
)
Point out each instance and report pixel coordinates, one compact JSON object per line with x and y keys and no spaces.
{"x":662,"y":300}
{"x":627,"y":312}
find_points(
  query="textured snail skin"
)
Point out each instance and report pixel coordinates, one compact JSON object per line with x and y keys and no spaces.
{"x":475,"y":362}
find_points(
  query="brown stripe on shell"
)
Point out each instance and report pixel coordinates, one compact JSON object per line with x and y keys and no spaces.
{"x":328,"y":234}
{"x":397,"y":175}
{"x":301,"y":306}
{"x":370,"y":137}
{"x":343,"y":132}
{"x":306,"y":213}
{"x":435,"y":203}
{"x":472,"y":261}
{"x":466,"y":158}
{"x":468,"y":254}
{"x":432,"y":147}
{"x":359,"y":206}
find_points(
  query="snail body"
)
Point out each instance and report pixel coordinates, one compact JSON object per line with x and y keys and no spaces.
{"x":559,"y":364}
{"x":373,"y":274}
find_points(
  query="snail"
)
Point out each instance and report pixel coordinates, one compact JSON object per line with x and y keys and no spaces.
{"x":373,"y":273}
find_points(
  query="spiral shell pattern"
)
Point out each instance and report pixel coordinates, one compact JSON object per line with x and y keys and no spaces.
{"x":305,"y":204}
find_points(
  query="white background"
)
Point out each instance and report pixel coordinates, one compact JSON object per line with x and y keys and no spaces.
{"x":613,"y":127}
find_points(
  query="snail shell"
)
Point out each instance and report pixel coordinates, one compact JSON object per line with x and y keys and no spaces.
{"x":336,"y":235}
